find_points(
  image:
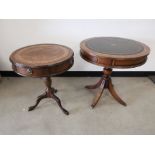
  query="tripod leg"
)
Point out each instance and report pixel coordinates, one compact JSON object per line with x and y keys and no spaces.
{"x":114,"y":94}
{"x":99,"y":94}
{"x":95,"y":85}
{"x":38,"y":101}
{"x":59,"y":104}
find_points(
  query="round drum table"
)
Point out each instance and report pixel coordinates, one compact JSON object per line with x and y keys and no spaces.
{"x":43,"y":61}
{"x":112,"y":52}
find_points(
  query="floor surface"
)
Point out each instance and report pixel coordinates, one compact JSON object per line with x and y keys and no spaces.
{"x":109,"y":117}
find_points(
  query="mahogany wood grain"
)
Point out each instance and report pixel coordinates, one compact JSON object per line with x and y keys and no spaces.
{"x":43,"y":61}
{"x":112,"y":52}
{"x":49,"y":93}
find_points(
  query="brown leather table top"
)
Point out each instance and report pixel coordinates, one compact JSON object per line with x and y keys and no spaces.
{"x":41,"y":55}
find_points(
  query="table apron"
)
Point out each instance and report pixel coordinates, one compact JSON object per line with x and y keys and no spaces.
{"x":113,"y":62}
{"x":43,"y":71}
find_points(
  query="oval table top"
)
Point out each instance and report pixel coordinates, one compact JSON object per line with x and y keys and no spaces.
{"x":41,"y":55}
{"x":114,"y":52}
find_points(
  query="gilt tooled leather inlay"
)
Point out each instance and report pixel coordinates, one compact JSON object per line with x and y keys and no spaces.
{"x":42,"y":55}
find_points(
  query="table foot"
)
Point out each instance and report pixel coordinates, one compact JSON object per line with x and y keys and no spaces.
{"x":98,"y":95}
{"x":49,"y":93}
{"x":105,"y":83}
{"x":38,"y":101}
{"x":59,"y":104}
{"x":114,"y":94}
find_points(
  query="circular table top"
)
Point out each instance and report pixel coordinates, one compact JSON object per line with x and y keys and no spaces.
{"x":41,"y":55}
{"x":118,"y":46}
{"x":107,"y":49}
{"x":114,"y":46}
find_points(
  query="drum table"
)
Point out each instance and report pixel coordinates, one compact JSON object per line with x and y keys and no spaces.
{"x":112,"y":52}
{"x":43,"y":61}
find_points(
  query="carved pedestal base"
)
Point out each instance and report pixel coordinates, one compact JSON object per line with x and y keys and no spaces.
{"x":105,"y":83}
{"x":49,"y":93}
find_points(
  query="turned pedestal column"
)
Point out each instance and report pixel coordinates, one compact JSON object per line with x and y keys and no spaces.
{"x":43,"y":61}
{"x":112,"y":52}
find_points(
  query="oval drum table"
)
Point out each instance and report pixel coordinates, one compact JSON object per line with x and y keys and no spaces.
{"x":43,"y":61}
{"x":112,"y":52}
